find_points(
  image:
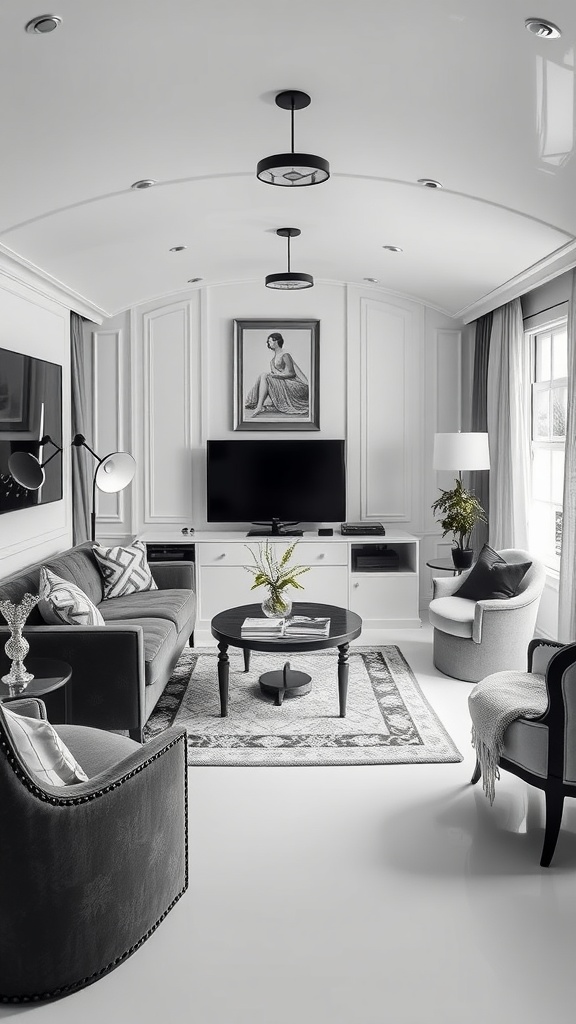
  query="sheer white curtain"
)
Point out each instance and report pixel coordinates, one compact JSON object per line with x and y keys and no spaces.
{"x":567,"y":592}
{"x":508,"y":420}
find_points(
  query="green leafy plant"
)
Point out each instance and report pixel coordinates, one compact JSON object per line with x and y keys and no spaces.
{"x":275,"y":574}
{"x":460,"y":511}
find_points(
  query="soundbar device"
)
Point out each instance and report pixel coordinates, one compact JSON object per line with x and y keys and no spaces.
{"x":362,"y":529}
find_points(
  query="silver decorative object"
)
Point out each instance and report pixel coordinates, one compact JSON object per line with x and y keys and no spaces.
{"x":16,"y":646}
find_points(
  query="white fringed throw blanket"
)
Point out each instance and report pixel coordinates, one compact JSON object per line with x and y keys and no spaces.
{"x":494,"y":703}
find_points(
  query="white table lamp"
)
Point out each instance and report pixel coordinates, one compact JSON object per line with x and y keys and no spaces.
{"x":461,"y":452}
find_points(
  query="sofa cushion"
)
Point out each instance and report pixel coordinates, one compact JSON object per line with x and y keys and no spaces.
{"x":492,"y":578}
{"x":125,"y":570}
{"x":43,"y":752}
{"x":175,"y":605}
{"x":454,"y":615}
{"x":63,"y":603}
{"x":159,"y":643}
{"x":77,"y":565}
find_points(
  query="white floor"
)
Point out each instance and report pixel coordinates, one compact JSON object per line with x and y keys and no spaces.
{"x":368,"y":895}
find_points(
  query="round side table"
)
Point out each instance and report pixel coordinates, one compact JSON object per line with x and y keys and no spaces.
{"x":445,"y":563}
{"x":49,"y":674}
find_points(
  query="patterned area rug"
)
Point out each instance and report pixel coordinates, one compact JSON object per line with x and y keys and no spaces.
{"x":388,"y":719}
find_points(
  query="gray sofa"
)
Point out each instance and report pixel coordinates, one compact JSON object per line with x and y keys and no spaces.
{"x":119,"y":670}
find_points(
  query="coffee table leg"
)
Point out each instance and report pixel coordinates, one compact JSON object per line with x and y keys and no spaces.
{"x":343,"y":669}
{"x":246,"y":659}
{"x":223,"y":675}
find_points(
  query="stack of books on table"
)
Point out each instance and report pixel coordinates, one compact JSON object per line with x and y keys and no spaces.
{"x":304,"y":626}
{"x":262,"y":629}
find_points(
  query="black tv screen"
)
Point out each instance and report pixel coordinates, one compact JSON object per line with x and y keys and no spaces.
{"x":290,"y":481}
{"x":30,"y":409}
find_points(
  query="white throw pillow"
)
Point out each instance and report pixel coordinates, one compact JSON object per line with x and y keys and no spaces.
{"x":125,"y":570}
{"x":42,"y":750}
{"x":64,"y":604}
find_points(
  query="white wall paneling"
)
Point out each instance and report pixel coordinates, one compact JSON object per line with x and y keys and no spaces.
{"x":167,"y":424}
{"x":390,"y":402}
{"x":381,"y":359}
{"x":108,"y":388}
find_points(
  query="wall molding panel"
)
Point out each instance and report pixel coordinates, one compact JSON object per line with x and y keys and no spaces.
{"x":167,"y":403}
{"x":108,"y":387}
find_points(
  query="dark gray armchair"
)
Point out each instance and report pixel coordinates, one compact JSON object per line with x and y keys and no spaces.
{"x":90,"y":870}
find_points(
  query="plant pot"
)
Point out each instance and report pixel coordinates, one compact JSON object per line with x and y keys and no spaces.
{"x":462,"y":557}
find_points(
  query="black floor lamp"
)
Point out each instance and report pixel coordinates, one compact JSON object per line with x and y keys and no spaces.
{"x":112,"y":474}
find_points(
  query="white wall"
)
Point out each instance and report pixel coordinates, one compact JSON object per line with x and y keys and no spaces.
{"x":32,"y":321}
{"x":390,"y":372}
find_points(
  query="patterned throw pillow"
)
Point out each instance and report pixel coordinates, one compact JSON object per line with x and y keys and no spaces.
{"x":124,"y":570}
{"x":64,"y":604}
{"x":42,"y":750}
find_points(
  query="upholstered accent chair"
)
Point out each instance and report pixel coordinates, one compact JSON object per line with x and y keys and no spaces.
{"x":473,"y":639}
{"x":88,"y":870}
{"x":542,"y":751}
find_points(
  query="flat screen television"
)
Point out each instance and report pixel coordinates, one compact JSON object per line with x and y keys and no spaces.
{"x":276,"y":483}
{"x":30,"y":409}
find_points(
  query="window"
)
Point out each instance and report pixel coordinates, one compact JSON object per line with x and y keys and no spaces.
{"x":549,"y":405}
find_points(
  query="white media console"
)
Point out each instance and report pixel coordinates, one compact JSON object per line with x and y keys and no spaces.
{"x":385,"y":598}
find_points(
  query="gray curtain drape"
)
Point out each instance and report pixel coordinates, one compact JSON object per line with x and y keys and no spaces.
{"x":81,"y":479}
{"x":479,"y":481}
{"x":508,"y":420}
{"x":567,"y":587}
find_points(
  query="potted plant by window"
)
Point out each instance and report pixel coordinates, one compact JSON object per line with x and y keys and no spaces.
{"x":460,"y":511}
{"x":276,"y":575}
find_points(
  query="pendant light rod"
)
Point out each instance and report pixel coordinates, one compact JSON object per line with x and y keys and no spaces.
{"x":288,"y":280}
{"x":293,"y":169}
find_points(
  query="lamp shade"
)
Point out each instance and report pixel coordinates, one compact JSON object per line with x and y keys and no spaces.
{"x":115,"y":472}
{"x":26,"y":470}
{"x":461,"y":451}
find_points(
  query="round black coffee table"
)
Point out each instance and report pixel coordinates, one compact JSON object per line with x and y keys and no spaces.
{"x":49,"y":674}
{"x":227,"y":629}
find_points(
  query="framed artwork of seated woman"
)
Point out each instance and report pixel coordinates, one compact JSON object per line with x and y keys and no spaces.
{"x":276,"y":374}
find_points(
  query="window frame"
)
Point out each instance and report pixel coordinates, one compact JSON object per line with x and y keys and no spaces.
{"x":550,"y":443}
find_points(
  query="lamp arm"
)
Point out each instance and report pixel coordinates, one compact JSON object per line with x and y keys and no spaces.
{"x":79,"y":441}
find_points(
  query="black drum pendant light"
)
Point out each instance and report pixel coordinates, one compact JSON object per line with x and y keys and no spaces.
{"x":289,"y":281}
{"x":293,"y":168}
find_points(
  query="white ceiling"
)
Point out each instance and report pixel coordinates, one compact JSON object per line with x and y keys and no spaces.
{"x":183,"y":92}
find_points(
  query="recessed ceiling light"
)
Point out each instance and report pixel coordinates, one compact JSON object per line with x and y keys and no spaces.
{"x":144,"y":183}
{"x":178,"y":248}
{"x":393,"y":248}
{"x":542,"y":28}
{"x":430,"y":183}
{"x":372,"y":280}
{"x":194,"y":280}
{"x":44,"y":23}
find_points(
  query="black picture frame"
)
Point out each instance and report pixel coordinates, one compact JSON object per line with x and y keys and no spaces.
{"x":290,"y":398}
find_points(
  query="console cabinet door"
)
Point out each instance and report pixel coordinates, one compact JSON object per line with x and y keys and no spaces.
{"x":221,"y":587}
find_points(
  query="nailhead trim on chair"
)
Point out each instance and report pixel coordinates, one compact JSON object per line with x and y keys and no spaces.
{"x":72,"y":801}
{"x":83,"y":982}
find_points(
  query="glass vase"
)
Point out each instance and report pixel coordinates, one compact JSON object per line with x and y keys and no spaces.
{"x":17,"y":646}
{"x":276,"y":605}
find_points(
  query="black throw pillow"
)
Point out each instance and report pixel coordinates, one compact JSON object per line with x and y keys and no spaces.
{"x":492,"y":578}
